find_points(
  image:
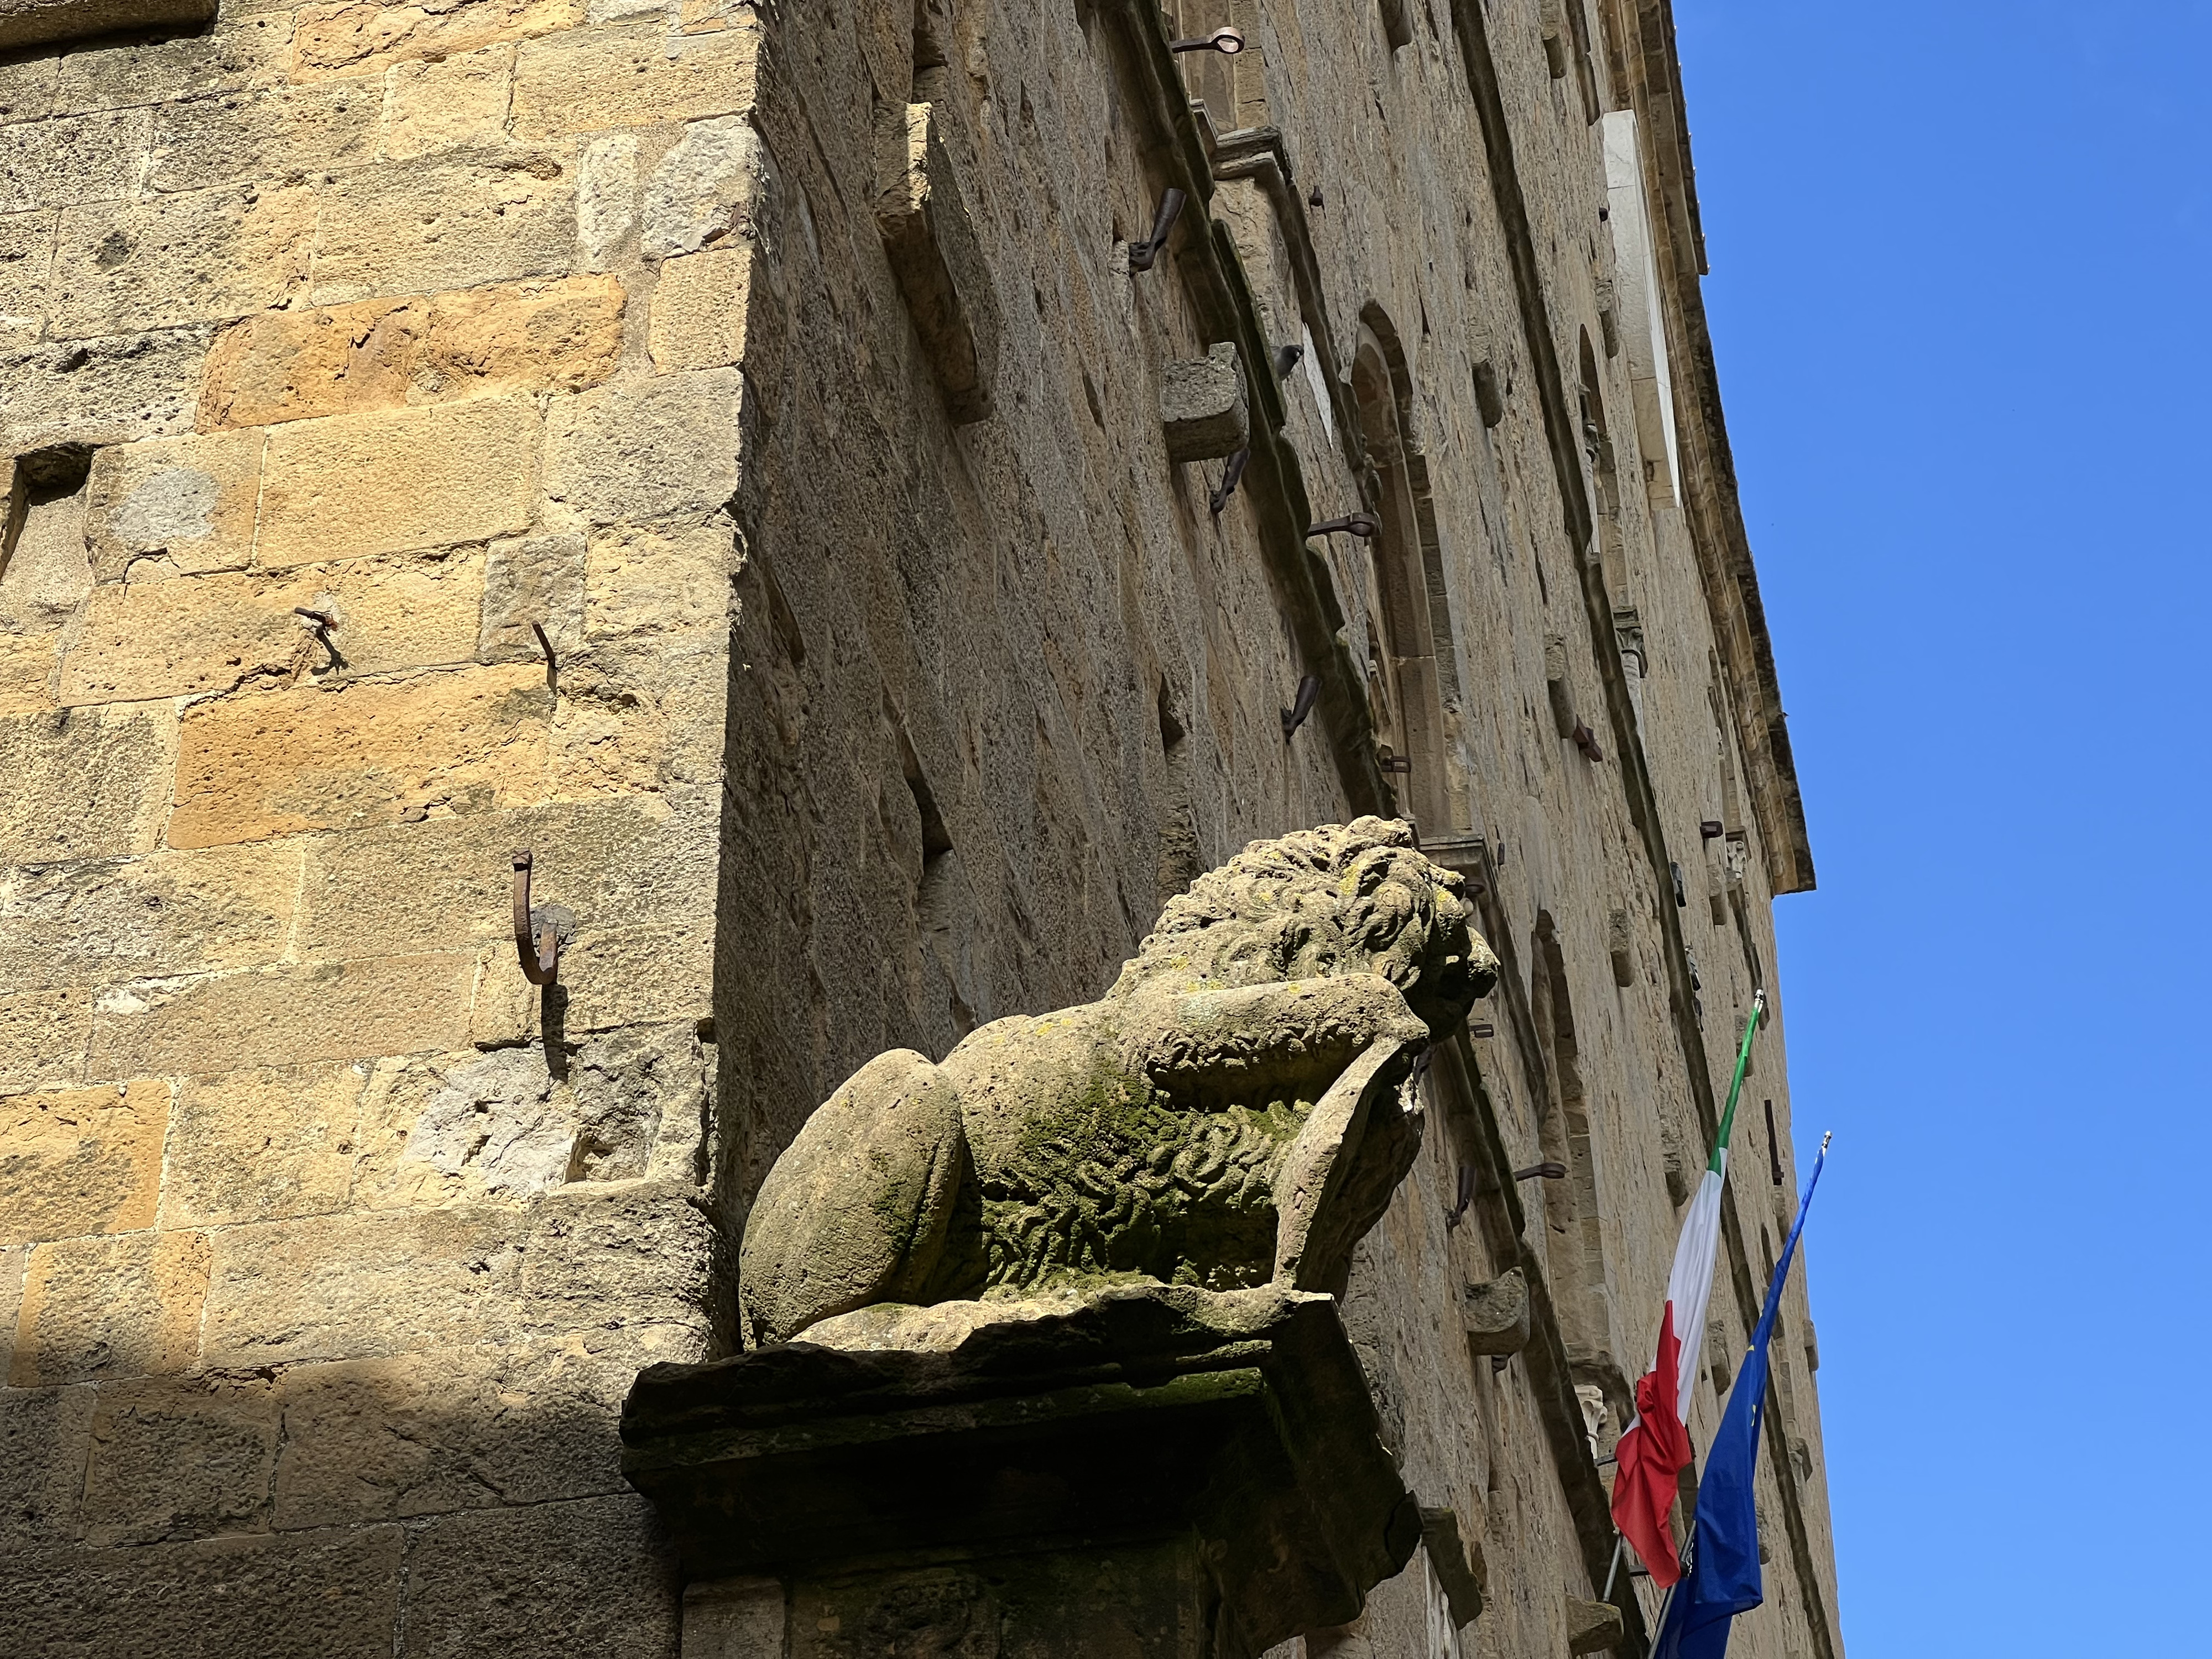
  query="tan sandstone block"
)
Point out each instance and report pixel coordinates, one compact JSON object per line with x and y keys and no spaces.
{"x":457,"y":220}
{"x":28,"y":662}
{"x":659,"y":578}
{"x":199,"y":634}
{"x":85,"y":783}
{"x":42,"y":1036}
{"x":699,"y":308}
{"x":436,"y":104}
{"x":46,"y":1440}
{"x":282,"y":1015}
{"x":81,"y":1161}
{"x":180,"y":1457}
{"x":409,"y":478}
{"x":26,"y":257}
{"x":275,"y":134}
{"x":263,"y":1145}
{"x":73,"y":158}
{"x":559,"y":334}
{"x":262,"y":763}
{"x":93,"y":922}
{"x":232,"y":56}
{"x":654,"y":449}
{"x":183,"y":258}
{"x":27,"y":87}
{"x":363,"y":38}
{"x":633,"y":977}
{"x":101,"y":391}
{"x":631,"y":76}
{"x":189,"y":501}
{"x":98,"y":1307}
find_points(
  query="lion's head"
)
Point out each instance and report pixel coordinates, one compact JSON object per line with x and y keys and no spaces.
{"x":1354,"y":898}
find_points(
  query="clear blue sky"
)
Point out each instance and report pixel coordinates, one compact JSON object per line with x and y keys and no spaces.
{"x":1961,"y":260}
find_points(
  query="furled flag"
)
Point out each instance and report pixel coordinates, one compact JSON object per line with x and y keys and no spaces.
{"x":1723,"y":1577}
{"x":1655,"y":1449}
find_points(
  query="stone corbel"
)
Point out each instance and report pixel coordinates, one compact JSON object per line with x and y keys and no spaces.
{"x":930,"y":243}
{"x":1457,"y":1562}
{"x":1202,"y":408}
{"x":1496,"y":1315}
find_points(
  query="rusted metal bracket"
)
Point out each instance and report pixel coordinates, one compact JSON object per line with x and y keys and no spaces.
{"x":1226,"y":41}
{"x":1352,"y":524}
{"x":1547,"y":1171}
{"x":541,"y":962}
{"x":1295,"y":716}
{"x":1142,"y":255}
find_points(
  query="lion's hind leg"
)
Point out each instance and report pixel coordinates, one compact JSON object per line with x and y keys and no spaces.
{"x":858,"y":1208}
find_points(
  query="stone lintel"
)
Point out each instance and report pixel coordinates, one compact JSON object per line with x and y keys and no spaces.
{"x":1222,"y":1448}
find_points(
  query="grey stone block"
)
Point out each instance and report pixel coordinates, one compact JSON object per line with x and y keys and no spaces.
{"x":1497,"y":1315}
{"x":1202,"y":408}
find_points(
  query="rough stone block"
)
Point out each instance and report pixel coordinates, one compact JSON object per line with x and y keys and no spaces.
{"x":659,"y":578}
{"x":612,"y":734}
{"x":532,"y":579}
{"x":27,"y":86}
{"x":263,"y":763}
{"x":99,"y":1308}
{"x":556,"y":335}
{"x":186,"y":258}
{"x":282,"y":1015}
{"x":332,"y":1595}
{"x":81,"y":1161}
{"x":263,"y":1145}
{"x":231,"y":56}
{"x":448,"y":103}
{"x":73,"y":158}
{"x":638,"y":976}
{"x":457,"y":220}
{"x":28,"y":663}
{"x":180,"y":1457}
{"x":707,"y":189}
{"x":649,"y":450}
{"x":85,"y":783}
{"x":188,"y":502}
{"x":1202,"y":409}
{"x":632,"y":75}
{"x":102,"y":391}
{"x":92,"y":922}
{"x":268,"y":135}
{"x":367,"y":37}
{"x":43,"y":1036}
{"x":1496,"y":1315}
{"x":623,"y":1257}
{"x":930,"y":239}
{"x":198,"y":635}
{"x":699,"y":308}
{"x":736,"y":1619}
{"x":1592,"y":1626}
{"x":385,"y":483}
{"x":477,"y":1583}
{"x":26,"y":257}
{"x":36,"y":22}
{"x":46,"y":1435}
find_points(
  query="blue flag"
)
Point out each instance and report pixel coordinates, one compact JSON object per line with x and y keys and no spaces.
{"x":1723,"y":1577}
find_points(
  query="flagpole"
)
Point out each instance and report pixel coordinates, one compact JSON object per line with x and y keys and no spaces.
{"x":1735,"y":1084}
{"x":1620,"y":1544}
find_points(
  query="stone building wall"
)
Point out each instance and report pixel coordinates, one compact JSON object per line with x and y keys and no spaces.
{"x":785,"y":365}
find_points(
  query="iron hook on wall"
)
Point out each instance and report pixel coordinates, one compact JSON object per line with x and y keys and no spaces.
{"x":1230,"y":475}
{"x":1352,"y":524}
{"x":1226,"y":40}
{"x":541,"y":962}
{"x":1141,"y":254}
{"x":1302,"y":705}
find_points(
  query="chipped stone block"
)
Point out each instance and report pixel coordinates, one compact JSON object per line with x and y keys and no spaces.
{"x":27,"y":249}
{"x":606,"y":199}
{"x":267,"y":763}
{"x":625,"y":74}
{"x":102,"y":391}
{"x":930,"y":241}
{"x":1592,"y":1626}
{"x":179,"y":1457}
{"x":360,"y":36}
{"x":85,"y":783}
{"x":92,"y":157}
{"x":531,"y":580}
{"x":406,"y":479}
{"x":1202,"y":409}
{"x":1620,"y":949}
{"x":708,"y":189}
{"x":236,"y":55}
{"x":27,"y":666}
{"x":659,"y":579}
{"x":1456,"y":1561}
{"x":45,"y":574}
{"x":1496,"y":1315}
{"x":43,"y":1037}
{"x":99,"y":1308}
{"x":188,"y":503}
{"x":81,"y":1161}
{"x":264,"y":1143}
{"x":36,"y":22}
{"x":699,"y":309}
{"x":447,"y":103}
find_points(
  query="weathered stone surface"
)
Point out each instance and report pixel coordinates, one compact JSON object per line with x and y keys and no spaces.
{"x":210,"y":634}
{"x":331,"y":1593}
{"x":455,"y":220}
{"x":282,"y":1015}
{"x":266,"y":135}
{"x":27,"y":666}
{"x":1496,"y":1315}
{"x":532,"y":579}
{"x":708,"y":188}
{"x":43,"y":1036}
{"x":180,"y":1457}
{"x":46,"y":1435}
{"x":96,"y":1308}
{"x":1225,"y":1115}
{"x":92,"y":920}
{"x":930,"y":241}
{"x":630,"y":976}
{"x":699,"y":307}
{"x":1592,"y":1626}
{"x":645,"y":450}
{"x":46,"y":574}
{"x":81,"y":1161}
{"x":103,"y":391}
{"x":263,"y":1145}
{"x":475,"y":1582}
{"x":451,"y":102}
{"x":733,"y":1618}
{"x":559,"y":334}
{"x":187,"y":504}
{"x":233,"y":55}
{"x":631,"y":75}
{"x":385,"y":483}
{"x":27,"y":255}
{"x":262,"y":763}
{"x":85,"y":783}
{"x":34,"y":22}
{"x":1202,"y":411}
{"x":658,"y":578}
{"x":73,"y":158}
{"x":196,"y":256}
{"x":362,"y":37}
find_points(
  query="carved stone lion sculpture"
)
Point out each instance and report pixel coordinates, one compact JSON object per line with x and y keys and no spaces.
{"x":1230,"y":1115}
